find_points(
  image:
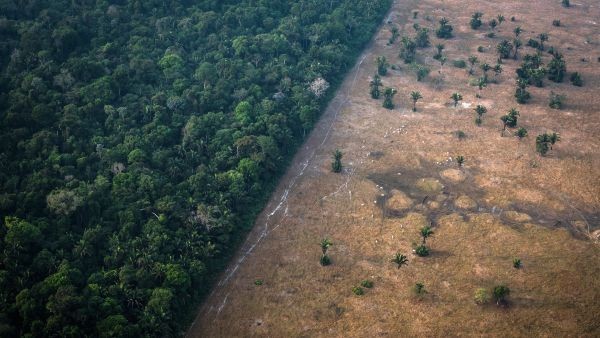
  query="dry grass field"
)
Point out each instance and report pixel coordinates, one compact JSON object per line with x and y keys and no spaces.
{"x":400,"y":174}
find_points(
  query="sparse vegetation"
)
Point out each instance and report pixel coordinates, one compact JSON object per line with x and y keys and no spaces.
{"x":258,"y":282}
{"x":445,"y":29}
{"x":422,"y":251}
{"x":476,"y":20}
{"x":326,"y":243}
{"x":459,"y":64}
{"x":543,"y":38}
{"x":517,"y":263}
{"x":419,"y":289}
{"x":480,"y":110}
{"x":500,"y":292}
{"x":395,"y":33}
{"x":357,"y":290}
{"x":556,"y":101}
{"x":366,"y":284}
{"x":415,"y":96}
{"x":420,"y":70}
{"x":388,"y":95}
{"x":482,"y":296}
{"x":439,"y":48}
{"x":456,"y":97}
{"x":460,"y":135}
{"x":576,"y":79}
{"x":336,"y":165}
{"x":426,"y":232}
{"x":400,"y":260}
{"x":382,"y":65}
{"x":473,"y":60}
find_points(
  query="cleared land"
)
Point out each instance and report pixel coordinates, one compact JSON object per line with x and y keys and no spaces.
{"x":400,"y":174}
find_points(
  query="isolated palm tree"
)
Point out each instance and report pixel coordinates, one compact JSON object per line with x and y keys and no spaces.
{"x":325,"y":244}
{"x":426,"y":232}
{"x":456,"y":97}
{"x":400,"y":260}
{"x":415,"y":96}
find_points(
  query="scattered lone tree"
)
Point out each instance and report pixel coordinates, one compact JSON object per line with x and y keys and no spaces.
{"x":557,"y":68}
{"x":485,"y":67}
{"x":521,"y":93}
{"x":439,"y":47}
{"x":375,"y":84}
{"x":408,"y":50}
{"x":518,"y":30}
{"x":517,"y":263}
{"x":510,"y":119}
{"x":419,"y":289}
{"x":481,"y":83}
{"x":426,"y":232}
{"x":479,"y":110}
{"x":544,"y":142}
{"x":556,"y":100}
{"x":325,"y":244}
{"x":400,"y":260}
{"x":422,"y":38}
{"x":336,"y":165}
{"x":543,"y":38}
{"x":500,"y":18}
{"x":415,"y":96}
{"x":382,"y":65}
{"x":504,"y":49}
{"x":445,"y":29}
{"x":576,"y":79}
{"x":554,"y":137}
{"x":497,"y":70}
{"x":500,"y":293}
{"x":388,"y":95}
{"x":476,"y":20}
{"x":472,"y":61}
{"x":456,"y":97}
{"x":521,"y":133}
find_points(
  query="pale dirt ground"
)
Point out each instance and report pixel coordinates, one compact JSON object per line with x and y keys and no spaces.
{"x":506,"y":201}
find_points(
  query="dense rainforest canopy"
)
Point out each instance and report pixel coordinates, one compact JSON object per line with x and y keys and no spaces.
{"x":138,"y":141}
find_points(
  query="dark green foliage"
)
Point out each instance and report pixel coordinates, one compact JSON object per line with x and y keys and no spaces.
{"x":422,"y":37}
{"x":490,"y":35}
{"x":517,"y":263}
{"x":325,"y":260}
{"x":476,"y":20}
{"x":566,"y":3}
{"x":445,"y":29}
{"x":504,"y":49}
{"x":395,"y":34}
{"x":480,"y":110}
{"x":459,"y":63}
{"x":421,"y":71}
{"x":480,"y":49}
{"x":138,"y":142}
{"x":439,"y":48}
{"x":518,"y":30}
{"x":357,"y":290}
{"x":533,"y":43}
{"x":557,"y":68}
{"x":500,"y":18}
{"x":500,"y":292}
{"x":522,"y":95}
{"x":472,"y":62}
{"x":388,"y":95}
{"x":408,"y":50}
{"x":426,"y":232}
{"x":400,"y":260}
{"x":258,"y":282}
{"x":544,"y":142}
{"x":576,"y":79}
{"x":497,"y":69}
{"x":375,"y":84}
{"x":419,"y":289}
{"x":556,"y":101}
{"x":336,"y":164}
{"x":543,"y":38}
{"x":456,"y":97}
{"x":422,"y":251}
{"x":460,"y":134}
{"x":460,"y":160}
{"x":510,"y":119}
{"x":415,"y":96}
{"x":493,"y":23}
{"x":521,"y":133}
{"x":366,"y":284}
{"x":556,"y":23}
{"x":382,"y":65}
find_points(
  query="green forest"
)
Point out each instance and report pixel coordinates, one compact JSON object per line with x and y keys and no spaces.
{"x":140,"y":139}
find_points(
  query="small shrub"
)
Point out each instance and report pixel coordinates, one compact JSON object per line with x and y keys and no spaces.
{"x":500,"y":293}
{"x":459,"y":63}
{"x":556,"y":101}
{"x":336,"y":165}
{"x":566,"y":3}
{"x":258,"y":282}
{"x":421,"y":72}
{"x":357,"y":290}
{"x":366,"y":284}
{"x":476,"y":20}
{"x":576,"y":79}
{"x":513,"y":19}
{"x":522,"y":132}
{"x":480,"y":49}
{"x":415,"y":14}
{"x":482,"y":296}
{"x":445,"y":29}
{"x":460,"y":160}
{"x":491,"y":35}
{"x":419,"y":288}
{"x":460,"y":134}
{"x":556,"y":23}
{"x":533,"y":43}
{"x":422,"y":251}
{"x":325,"y":260}
{"x":517,"y":263}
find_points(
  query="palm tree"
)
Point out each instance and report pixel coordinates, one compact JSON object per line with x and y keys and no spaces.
{"x":481,"y":82}
{"x":554,"y":137}
{"x":518,"y":30}
{"x":336,"y":165}
{"x":460,"y":160}
{"x":500,"y":293}
{"x":518,"y":45}
{"x":497,"y":69}
{"x":382,"y":65}
{"x":375,"y":84}
{"x":400,"y":260}
{"x":543,"y":37}
{"x":426,"y":232}
{"x":486,"y":68}
{"x":500,"y":19}
{"x":415,"y":96}
{"x":439,"y":48}
{"x":325,"y":244}
{"x":388,"y":95}
{"x":472,"y":60}
{"x":456,"y":97}
{"x":480,"y":110}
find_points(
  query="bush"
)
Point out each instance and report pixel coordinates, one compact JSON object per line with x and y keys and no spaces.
{"x":522,"y":132}
{"x":491,"y":35}
{"x":258,"y":282}
{"x":421,"y":71}
{"x":576,"y":79}
{"x":445,"y":29}
{"x":459,"y":63}
{"x":556,"y":23}
{"x":357,"y":290}
{"x":325,"y":260}
{"x":517,"y":263}
{"x":460,"y":134}
{"x":419,"y":288}
{"x":422,"y":251}
{"x":566,"y":3}
{"x":478,"y":120}
{"x":476,"y":20}
{"x":533,"y":43}
{"x":481,"y":296}
{"x":480,"y":49}
{"x":366,"y":284}
{"x":556,"y":101}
